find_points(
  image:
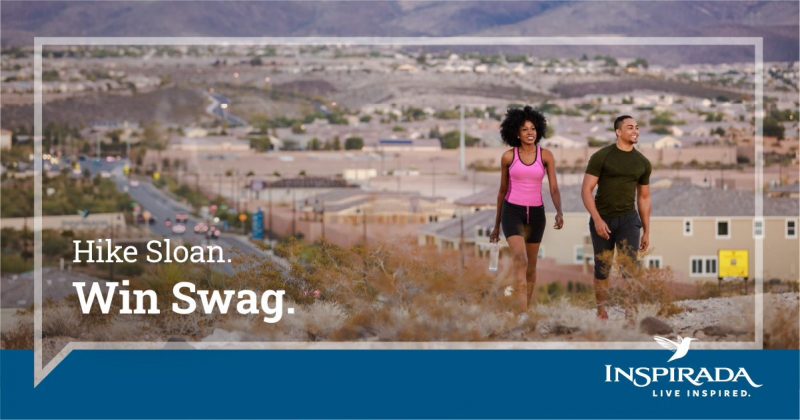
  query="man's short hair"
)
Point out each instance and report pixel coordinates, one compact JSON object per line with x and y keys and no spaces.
{"x":619,"y":120}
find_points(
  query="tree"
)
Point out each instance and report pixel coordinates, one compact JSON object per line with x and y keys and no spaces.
{"x":153,"y":137}
{"x":639,"y":62}
{"x":414,"y":114}
{"x":660,"y":129}
{"x":451,"y":140}
{"x":773,"y":128}
{"x":261,"y":143}
{"x":314,"y":144}
{"x":354,"y":143}
{"x":290,"y":145}
{"x":337,"y":144}
{"x":261,"y":122}
{"x":594,"y":142}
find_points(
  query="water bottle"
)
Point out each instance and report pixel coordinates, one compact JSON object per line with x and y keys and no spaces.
{"x":494,"y":256}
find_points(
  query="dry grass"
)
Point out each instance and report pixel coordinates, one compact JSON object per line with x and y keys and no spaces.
{"x":634,"y":285}
{"x":781,"y":326}
{"x":385,"y":293}
{"x":21,"y":336}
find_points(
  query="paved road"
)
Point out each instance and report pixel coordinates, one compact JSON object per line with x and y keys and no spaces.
{"x":162,"y":206}
{"x":218,"y":111}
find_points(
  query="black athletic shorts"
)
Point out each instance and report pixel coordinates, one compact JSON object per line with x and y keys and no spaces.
{"x":625,"y":236}
{"x":525,"y":221}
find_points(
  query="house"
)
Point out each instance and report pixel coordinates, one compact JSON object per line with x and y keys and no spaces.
{"x":467,"y":230}
{"x":5,"y":139}
{"x":561,"y":142}
{"x":483,"y":200}
{"x":689,"y":226}
{"x":786,"y":191}
{"x":293,"y":192}
{"x":95,"y":222}
{"x":416,"y":145}
{"x":667,"y":142}
{"x":351,"y":206}
{"x":210,"y":144}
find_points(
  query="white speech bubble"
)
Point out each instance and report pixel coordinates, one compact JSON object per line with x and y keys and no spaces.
{"x":41,"y":370}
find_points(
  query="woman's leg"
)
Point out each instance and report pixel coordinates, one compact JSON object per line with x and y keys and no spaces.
{"x":518,"y":270}
{"x":530,"y":273}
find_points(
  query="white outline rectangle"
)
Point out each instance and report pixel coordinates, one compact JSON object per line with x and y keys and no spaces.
{"x":40,"y":371}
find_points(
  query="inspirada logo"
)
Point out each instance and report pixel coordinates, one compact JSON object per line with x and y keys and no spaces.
{"x":704,"y":382}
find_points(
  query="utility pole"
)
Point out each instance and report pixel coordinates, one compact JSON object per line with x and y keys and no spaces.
{"x":433,"y":184}
{"x":322,"y":213}
{"x":364,"y":223}
{"x":269,"y":206}
{"x":235,"y":190}
{"x":461,"y":243}
{"x":397,"y":171}
{"x":364,"y":241}
{"x":111,"y":265}
{"x":461,"y":142}
{"x":294,"y":211}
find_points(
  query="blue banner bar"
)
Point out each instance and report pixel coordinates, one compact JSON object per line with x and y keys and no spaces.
{"x":404,"y":384}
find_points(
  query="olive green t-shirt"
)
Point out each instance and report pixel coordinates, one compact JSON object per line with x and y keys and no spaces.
{"x":619,"y":174}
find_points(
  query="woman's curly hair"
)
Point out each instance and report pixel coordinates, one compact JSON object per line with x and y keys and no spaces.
{"x":515,"y":118}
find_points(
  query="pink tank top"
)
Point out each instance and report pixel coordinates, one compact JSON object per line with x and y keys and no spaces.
{"x":525,"y":181}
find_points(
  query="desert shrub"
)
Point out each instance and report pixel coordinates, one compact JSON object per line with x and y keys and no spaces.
{"x":634,"y":285}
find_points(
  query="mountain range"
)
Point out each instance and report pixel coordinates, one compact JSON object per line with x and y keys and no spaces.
{"x":776,"y":21}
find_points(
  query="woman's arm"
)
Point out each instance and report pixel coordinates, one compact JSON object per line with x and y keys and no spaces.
{"x":505,"y":162}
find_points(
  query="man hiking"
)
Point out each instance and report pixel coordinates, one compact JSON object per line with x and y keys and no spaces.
{"x":622,"y":177}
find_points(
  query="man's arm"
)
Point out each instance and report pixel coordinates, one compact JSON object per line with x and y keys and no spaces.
{"x":645,"y":205}
{"x":589,"y":184}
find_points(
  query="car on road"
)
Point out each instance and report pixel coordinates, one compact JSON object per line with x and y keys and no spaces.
{"x":178,"y":228}
{"x":140,"y":219}
{"x":200,"y":228}
{"x":133,"y":183}
{"x":181,"y":218}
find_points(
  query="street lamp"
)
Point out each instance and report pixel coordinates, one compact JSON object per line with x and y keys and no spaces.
{"x":294,"y":212}
{"x":321,"y":213}
{"x":224,"y":107}
{"x":433,"y":179}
